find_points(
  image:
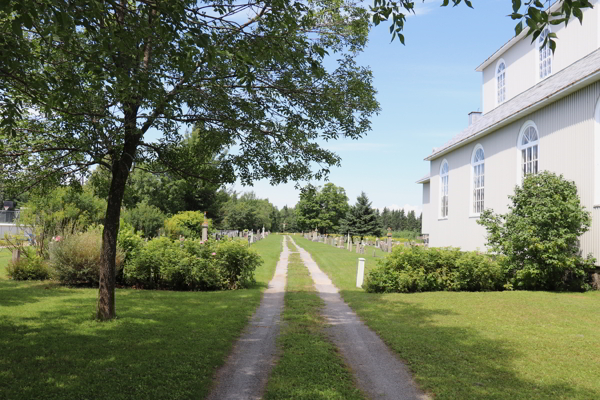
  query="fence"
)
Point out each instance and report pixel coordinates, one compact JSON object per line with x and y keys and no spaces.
{"x":8,"y":217}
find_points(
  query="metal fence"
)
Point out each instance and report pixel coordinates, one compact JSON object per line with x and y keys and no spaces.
{"x":9,"y":217}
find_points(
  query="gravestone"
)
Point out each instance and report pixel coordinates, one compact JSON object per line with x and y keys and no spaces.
{"x":205,"y":228}
{"x":360,"y":273}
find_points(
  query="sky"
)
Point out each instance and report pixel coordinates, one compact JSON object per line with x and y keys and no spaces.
{"x":425,"y":89}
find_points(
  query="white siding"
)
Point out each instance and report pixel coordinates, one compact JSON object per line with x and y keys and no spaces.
{"x":574,"y":42}
{"x":426,"y":224}
{"x":566,"y":130}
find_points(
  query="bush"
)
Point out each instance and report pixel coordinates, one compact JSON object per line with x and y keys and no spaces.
{"x":131,"y":243}
{"x":30,"y":268}
{"x":187,"y":224}
{"x":145,"y":218}
{"x":76,"y":259}
{"x":421,"y":269}
{"x":540,"y":235}
{"x":238,"y":263}
{"x":193,"y":265}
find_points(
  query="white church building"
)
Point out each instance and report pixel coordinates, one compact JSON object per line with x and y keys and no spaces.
{"x":541,"y":111}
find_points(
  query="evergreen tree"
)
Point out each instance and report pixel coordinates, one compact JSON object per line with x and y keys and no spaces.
{"x":386,"y":218}
{"x":361,"y":220}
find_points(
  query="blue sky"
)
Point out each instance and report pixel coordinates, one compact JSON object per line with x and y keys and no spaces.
{"x":426,"y":90}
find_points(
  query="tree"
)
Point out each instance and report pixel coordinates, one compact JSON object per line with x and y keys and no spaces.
{"x":288,"y":219}
{"x":248,"y":212}
{"x":82,"y":84}
{"x":334,"y":206}
{"x":540,"y":234}
{"x":533,"y":15}
{"x":145,"y":218}
{"x":361,"y":220}
{"x":321,"y":208}
{"x":308,"y":209}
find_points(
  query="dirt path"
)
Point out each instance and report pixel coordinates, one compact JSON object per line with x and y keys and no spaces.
{"x":245,"y":373}
{"x":377,"y":370}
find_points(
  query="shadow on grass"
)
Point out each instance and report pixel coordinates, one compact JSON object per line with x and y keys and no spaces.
{"x":452,"y":362}
{"x":163,"y":345}
{"x":17,"y":293}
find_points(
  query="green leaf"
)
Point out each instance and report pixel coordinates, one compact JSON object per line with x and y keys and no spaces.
{"x":516,"y":5}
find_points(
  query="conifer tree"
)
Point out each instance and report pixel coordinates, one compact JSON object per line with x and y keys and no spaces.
{"x":361,"y":220}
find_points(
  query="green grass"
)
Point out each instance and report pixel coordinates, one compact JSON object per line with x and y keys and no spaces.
{"x":163,"y":345}
{"x":309,"y":367}
{"x":498,"y":345}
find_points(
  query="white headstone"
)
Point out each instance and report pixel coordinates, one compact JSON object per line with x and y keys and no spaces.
{"x":360,"y":273}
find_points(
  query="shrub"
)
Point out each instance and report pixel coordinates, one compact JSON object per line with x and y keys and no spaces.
{"x":193,"y":265}
{"x":540,"y":235}
{"x":30,"y":268}
{"x":186,"y":223}
{"x":145,"y":218}
{"x":238,"y":263}
{"x":420,"y":269}
{"x":76,"y":259}
{"x":131,"y":243}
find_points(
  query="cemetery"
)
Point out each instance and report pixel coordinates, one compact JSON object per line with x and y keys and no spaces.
{"x":170,"y":226}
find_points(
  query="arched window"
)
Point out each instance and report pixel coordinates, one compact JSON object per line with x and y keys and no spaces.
{"x":478,"y":168}
{"x":500,"y":82}
{"x":528,"y":146}
{"x":444,"y":189}
{"x":544,"y":55}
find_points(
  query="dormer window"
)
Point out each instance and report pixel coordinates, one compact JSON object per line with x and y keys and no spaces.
{"x":545,"y":55}
{"x":500,"y":82}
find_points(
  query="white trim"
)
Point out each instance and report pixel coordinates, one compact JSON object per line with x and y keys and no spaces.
{"x":537,"y":56}
{"x":511,"y":42}
{"x":471,"y":187}
{"x":565,"y":91}
{"x":500,"y":61}
{"x":597,"y":153}
{"x":527,"y":124}
{"x":441,"y":189}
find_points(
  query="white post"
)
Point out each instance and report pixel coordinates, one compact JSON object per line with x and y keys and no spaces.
{"x":360,"y":273}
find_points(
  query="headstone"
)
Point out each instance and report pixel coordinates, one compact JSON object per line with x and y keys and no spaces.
{"x":389,"y":240}
{"x":357,"y":248}
{"x":205,"y":229}
{"x":360,"y":273}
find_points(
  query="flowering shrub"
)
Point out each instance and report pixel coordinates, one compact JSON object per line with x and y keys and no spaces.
{"x":420,"y":269}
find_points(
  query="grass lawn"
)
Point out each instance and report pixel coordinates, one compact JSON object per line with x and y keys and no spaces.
{"x":309,"y":367}
{"x":496,"y":345}
{"x":163,"y":345}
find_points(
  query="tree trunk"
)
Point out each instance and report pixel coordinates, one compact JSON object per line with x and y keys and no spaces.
{"x":106,"y":293}
{"x":105,"y":308}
